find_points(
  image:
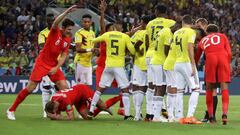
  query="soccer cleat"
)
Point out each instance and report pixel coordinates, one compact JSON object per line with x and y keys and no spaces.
{"x":224,"y":119}
{"x":212,"y":120}
{"x":164,"y":113}
{"x":90,"y":115}
{"x":121,"y":111}
{"x":189,"y":120}
{"x":171,"y":120}
{"x":206,"y":117}
{"x":148,"y":118}
{"x":130,"y":117}
{"x":160,"y":119}
{"x":10,"y":115}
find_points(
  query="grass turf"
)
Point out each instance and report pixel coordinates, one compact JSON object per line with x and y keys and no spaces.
{"x":30,"y":122}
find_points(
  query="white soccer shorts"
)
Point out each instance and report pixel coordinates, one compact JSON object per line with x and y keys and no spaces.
{"x":109,"y":74}
{"x":83,"y":75}
{"x":139,"y":77}
{"x":170,"y":78}
{"x":184,"y":78}
{"x":149,"y":70}
{"x":159,"y":77}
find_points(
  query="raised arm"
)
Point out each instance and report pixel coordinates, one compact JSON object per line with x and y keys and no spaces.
{"x":102,"y":8}
{"x":62,"y":16}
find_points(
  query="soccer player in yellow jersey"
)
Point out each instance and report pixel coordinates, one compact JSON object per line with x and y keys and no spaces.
{"x":83,"y":58}
{"x":162,"y":46}
{"x":47,"y":83}
{"x":185,"y":68}
{"x":153,"y":27}
{"x":116,"y":45}
{"x":139,"y":75}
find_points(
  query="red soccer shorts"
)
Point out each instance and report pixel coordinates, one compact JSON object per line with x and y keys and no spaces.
{"x":40,"y":70}
{"x":217,"y":68}
{"x":99,"y":71}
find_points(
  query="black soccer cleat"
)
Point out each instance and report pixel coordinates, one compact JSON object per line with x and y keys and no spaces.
{"x":130,"y":117}
{"x":224,"y":119}
{"x":212,"y":120}
{"x":90,"y":115}
{"x":206,"y":117}
{"x":164,"y":113}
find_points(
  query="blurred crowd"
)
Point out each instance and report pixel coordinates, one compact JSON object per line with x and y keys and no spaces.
{"x":21,"y":21}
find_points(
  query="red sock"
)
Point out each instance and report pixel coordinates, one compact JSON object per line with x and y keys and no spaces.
{"x":110,"y":102}
{"x":121,"y":102}
{"x":225,"y":101}
{"x":209,"y":102}
{"x":20,"y":97}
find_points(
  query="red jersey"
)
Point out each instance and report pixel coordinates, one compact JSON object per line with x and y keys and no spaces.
{"x":54,"y":46}
{"x":73,"y":96}
{"x":102,"y":57}
{"x":214,"y":43}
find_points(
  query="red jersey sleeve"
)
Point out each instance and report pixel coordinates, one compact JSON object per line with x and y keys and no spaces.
{"x":227,"y":48}
{"x":198,"y":53}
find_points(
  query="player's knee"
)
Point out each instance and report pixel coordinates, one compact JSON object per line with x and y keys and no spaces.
{"x":31,"y":86}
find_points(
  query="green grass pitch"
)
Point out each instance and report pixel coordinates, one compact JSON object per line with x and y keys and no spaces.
{"x":30,"y":122}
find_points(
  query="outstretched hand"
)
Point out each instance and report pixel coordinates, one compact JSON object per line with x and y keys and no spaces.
{"x":72,"y":8}
{"x":102,"y":5}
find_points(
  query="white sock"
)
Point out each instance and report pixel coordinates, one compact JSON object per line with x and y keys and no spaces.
{"x":126,"y":103}
{"x":164,"y":104}
{"x":95,"y":99}
{"x":45,"y":97}
{"x":171,"y":104}
{"x":139,"y":102}
{"x":134,"y":93}
{"x":149,"y":98}
{"x":53,"y":91}
{"x":192,"y":104}
{"x":157,"y":105}
{"x":179,"y":106}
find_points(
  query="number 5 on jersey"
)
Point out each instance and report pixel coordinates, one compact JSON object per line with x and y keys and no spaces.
{"x":114,"y":47}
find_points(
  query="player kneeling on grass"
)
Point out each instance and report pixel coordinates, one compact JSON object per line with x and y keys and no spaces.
{"x":217,"y":67}
{"x":79,"y":96}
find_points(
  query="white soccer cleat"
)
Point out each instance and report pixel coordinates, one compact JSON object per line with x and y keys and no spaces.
{"x":160,"y":119}
{"x":138,"y":118}
{"x":171,"y":120}
{"x":10,"y":115}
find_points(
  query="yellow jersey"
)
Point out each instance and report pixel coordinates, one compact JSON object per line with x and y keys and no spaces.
{"x":42,"y":36}
{"x":171,"y":58}
{"x":181,"y":39}
{"x":84,"y":58}
{"x":116,"y":45}
{"x":153,"y":27}
{"x":140,"y":60}
{"x":164,"y":39}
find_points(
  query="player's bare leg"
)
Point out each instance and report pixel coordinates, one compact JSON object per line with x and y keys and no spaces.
{"x":225,"y":102}
{"x":157,"y":103}
{"x":62,"y":84}
{"x":149,"y":99}
{"x":21,"y":97}
{"x":171,"y":103}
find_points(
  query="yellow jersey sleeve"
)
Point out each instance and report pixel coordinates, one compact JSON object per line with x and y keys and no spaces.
{"x":41,"y":38}
{"x":99,"y":39}
{"x":78,"y":37}
{"x":130,"y":46}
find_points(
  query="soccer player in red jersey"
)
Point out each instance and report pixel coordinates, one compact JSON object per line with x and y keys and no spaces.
{"x":217,"y":67}
{"x":47,"y":62}
{"x":80,"y":96}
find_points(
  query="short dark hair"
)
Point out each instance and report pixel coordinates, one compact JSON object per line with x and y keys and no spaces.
{"x":87,"y":16}
{"x":187,"y":19}
{"x":67,"y":22}
{"x":49,"y":107}
{"x":212,"y":28}
{"x":161,"y":9}
{"x":202,"y":20}
{"x":146,"y":19}
{"x":109,"y":25}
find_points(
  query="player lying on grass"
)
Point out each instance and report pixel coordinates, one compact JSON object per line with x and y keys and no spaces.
{"x":217,"y":68}
{"x":79,"y":96}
